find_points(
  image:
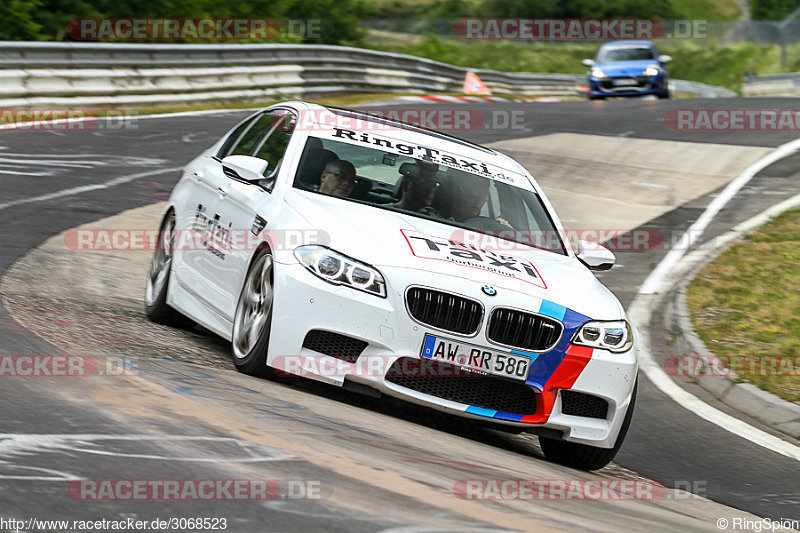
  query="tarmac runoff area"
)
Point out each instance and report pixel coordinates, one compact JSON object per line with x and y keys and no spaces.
{"x":614,"y":183}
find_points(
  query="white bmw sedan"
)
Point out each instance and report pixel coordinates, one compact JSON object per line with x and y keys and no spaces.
{"x":376,"y":255}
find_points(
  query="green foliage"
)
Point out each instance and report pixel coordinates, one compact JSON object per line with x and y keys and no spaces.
{"x":578,"y":8}
{"x":18,"y":20}
{"x":772,"y":9}
{"x":663,"y":9}
{"x":48,"y":19}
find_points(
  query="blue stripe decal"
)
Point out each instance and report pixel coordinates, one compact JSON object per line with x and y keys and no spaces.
{"x":427,"y":348}
{"x":480,"y":411}
{"x":543,"y":366}
{"x":508,"y":416}
{"x":529,"y":354}
{"x":552,"y":310}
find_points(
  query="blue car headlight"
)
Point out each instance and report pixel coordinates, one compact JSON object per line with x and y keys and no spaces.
{"x":338,"y":269}
{"x":597,"y":73}
{"x":652,"y":70}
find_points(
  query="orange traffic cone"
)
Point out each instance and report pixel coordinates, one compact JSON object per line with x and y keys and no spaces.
{"x":474,"y":85}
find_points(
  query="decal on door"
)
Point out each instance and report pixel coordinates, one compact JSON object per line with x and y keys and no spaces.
{"x":210,"y":233}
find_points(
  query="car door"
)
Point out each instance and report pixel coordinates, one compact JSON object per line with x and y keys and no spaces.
{"x":237,"y":221}
{"x":195,"y":215}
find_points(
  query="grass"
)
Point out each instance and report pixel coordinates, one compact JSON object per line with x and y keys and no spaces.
{"x":722,"y":10}
{"x":746,"y":305}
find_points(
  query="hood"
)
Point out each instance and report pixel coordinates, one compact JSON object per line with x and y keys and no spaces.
{"x":389,"y":240}
{"x":626,"y":68}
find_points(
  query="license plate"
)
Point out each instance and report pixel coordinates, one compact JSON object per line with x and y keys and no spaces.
{"x":625,"y":82}
{"x":476,"y":358}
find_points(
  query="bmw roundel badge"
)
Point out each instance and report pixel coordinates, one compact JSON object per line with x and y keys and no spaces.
{"x":488,"y":290}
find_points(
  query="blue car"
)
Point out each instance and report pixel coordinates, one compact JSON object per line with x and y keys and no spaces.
{"x":628,"y":68}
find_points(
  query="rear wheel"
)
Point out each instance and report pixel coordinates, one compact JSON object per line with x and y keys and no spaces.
{"x":253,"y":319}
{"x":596,"y":97}
{"x":583,"y":456}
{"x":155,"y":297}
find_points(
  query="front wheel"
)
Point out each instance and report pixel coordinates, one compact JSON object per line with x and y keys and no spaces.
{"x":253,"y":319}
{"x":155,"y":296}
{"x":583,"y":456}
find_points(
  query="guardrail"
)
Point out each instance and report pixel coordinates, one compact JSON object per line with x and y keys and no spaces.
{"x":51,"y":73}
{"x":774,"y":85}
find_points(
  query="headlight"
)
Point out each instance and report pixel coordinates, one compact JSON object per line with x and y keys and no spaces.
{"x":651,"y":71}
{"x":597,"y":73}
{"x":615,"y":336}
{"x":339,"y":269}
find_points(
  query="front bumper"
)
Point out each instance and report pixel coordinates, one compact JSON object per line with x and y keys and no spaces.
{"x":304,"y":303}
{"x":643,"y":86}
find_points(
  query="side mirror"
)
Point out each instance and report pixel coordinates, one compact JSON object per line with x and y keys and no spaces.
{"x":244,"y":167}
{"x":664,"y":59}
{"x":588,"y":62}
{"x":595,"y":256}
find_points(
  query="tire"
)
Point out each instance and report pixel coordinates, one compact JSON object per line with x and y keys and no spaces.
{"x":595,"y":97}
{"x":583,"y":456}
{"x":664,"y":95}
{"x":155,"y":296}
{"x":253,"y":319}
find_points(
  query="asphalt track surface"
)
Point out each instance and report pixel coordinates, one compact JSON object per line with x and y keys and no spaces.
{"x":665,"y":443}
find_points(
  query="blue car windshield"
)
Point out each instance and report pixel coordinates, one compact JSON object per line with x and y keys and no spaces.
{"x":624,"y":53}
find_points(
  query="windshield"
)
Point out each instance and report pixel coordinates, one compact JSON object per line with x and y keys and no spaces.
{"x":624,"y":53}
{"x":419,"y":188}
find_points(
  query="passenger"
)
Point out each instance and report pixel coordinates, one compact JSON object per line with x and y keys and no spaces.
{"x":469,"y":193}
{"x":420,"y":183}
{"x":338,"y":178}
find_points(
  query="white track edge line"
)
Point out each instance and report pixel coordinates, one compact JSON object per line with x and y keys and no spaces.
{"x":655,"y":281}
{"x":640,"y":312}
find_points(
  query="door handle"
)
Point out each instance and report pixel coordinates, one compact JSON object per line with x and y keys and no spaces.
{"x":223,"y":190}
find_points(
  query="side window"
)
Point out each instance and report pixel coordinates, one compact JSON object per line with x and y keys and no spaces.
{"x":234,"y":136}
{"x":274,"y":146}
{"x":247,"y":144}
